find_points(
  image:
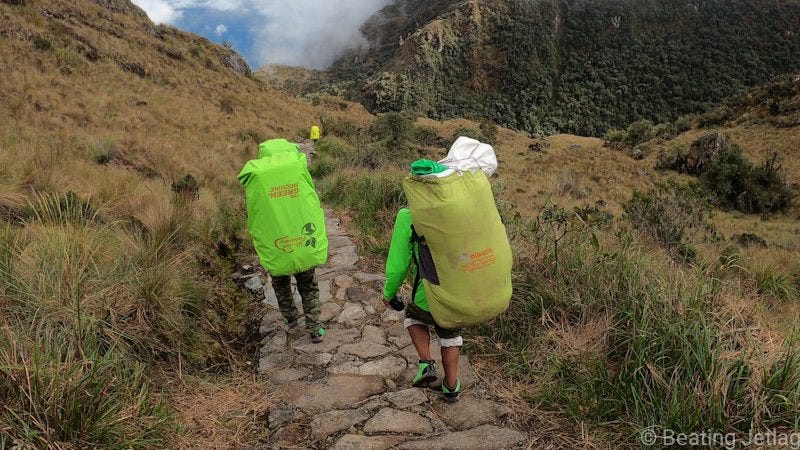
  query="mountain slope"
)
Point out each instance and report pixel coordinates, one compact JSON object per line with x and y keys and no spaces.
{"x":569,"y":65}
{"x":120,"y":219}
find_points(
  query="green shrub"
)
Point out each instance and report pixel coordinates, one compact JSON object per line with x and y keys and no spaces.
{"x":674,"y":215}
{"x":614,"y":136}
{"x":673,"y":157}
{"x":716,"y":116}
{"x":685,"y":123}
{"x":321,"y":167}
{"x":41,"y":43}
{"x":639,"y":132}
{"x":736,"y":184}
{"x":777,"y":283}
{"x":394,"y":128}
{"x":339,"y":127}
{"x":373,"y":197}
{"x":426,"y":136}
{"x":665,"y":131}
{"x":490,"y":132}
{"x":470,"y":133}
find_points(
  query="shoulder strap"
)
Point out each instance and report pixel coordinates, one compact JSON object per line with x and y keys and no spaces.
{"x":415,"y":240}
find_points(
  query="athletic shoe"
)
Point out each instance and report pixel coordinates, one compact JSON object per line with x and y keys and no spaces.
{"x":451,"y":394}
{"x":317,"y":336}
{"x":426,"y":373}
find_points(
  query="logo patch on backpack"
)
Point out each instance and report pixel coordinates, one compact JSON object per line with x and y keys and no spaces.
{"x":288,"y":244}
{"x":477,"y":260}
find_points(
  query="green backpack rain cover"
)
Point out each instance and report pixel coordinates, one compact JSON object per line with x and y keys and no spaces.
{"x":458,"y":220}
{"x":284,"y":214}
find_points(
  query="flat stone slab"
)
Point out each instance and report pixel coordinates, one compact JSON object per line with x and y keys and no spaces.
{"x":274,"y":344}
{"x":337,"y":391}
{"x":334,"y":337}
{"x":470,"y":412}
{"x":358,"y":442}
{"x":314,"y":359}
{"x":388,"y":367}
{"x":351,"y":315}
{"x":324,"y":291}
{"x":288,"y":375}
{"x":365,"y":350}
{"x":362,"y":277}
{"x":328,"y":311}
{"x":274,"y":361}
{"x":280,"y":416}
{"x":344,"y":281}
{"x":391,"y":315}
{"x":360,"y":295}
{"x":346,"y":367}
{"x":332,"y":422}
{"x":339,"y":241}
{"x":374,"y":334}
{"x":485,"y":437}
{"x":271,"y":322}
{"x":407,"y":398}
{"x":389,"y":420}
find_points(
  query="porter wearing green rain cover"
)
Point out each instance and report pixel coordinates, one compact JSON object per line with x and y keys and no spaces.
{"x":287,"y":223}
{"x":404,"y":253}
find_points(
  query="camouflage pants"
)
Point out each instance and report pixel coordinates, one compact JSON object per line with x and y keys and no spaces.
{"x":309,"y":292}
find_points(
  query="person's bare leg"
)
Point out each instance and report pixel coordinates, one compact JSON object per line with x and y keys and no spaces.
{"x":421,"y":338}
{"x":450,"y":362}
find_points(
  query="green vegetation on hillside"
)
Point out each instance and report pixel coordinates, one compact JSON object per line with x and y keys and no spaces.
{"x":574,"y":66}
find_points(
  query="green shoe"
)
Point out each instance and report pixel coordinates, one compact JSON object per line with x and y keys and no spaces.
{"x":451,"y":394}
{"x":317,"y":336}
{"x":426,"y":373}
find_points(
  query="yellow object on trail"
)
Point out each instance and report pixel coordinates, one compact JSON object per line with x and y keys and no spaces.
{"x":314,"y":133}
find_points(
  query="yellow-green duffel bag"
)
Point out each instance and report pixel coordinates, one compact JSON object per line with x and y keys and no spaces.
{"x":457,"y":219}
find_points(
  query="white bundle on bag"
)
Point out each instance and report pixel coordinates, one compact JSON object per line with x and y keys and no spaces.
{"x":469,"y":155}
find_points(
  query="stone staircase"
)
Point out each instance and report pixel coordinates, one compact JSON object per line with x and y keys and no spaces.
{"x":352,"y":391}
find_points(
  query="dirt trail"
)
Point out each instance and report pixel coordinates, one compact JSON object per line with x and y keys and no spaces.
{"x":353,"y":390}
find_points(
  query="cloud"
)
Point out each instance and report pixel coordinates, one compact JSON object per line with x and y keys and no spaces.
{"x":159,"y":11}
{"x":220,"y":30}
{"x":309,"y":33}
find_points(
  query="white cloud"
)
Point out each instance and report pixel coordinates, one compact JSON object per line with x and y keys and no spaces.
{"x":309,"y":33}
{"x":159,"y":11}
{"x":220,"y":30}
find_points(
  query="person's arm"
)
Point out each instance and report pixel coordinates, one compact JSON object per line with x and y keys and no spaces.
{"x":399,"y":258}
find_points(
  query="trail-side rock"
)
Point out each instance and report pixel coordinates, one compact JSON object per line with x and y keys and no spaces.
{"x":351,"y":315}
{"x":274,"y":344}
{"x":346,"y":367}
{"x":324,"y":291}
{"x":389,"y":367}
{"x":407,"y":398}
{"x":328,"y":311}
{"x":280,"y":416}
{"x":337,"y":391}
{"x":358,"y":442}
{"x":374,"y":334}
{"x":337,"y":242}
{"x":704,"y":150}
{"x":359,"y":295}
{"x":288,"y":375}
{"x":332,"y":422}
{"x":471,"y":412}
{"x":343,"y":282}
{"x":487,"y":437}
{"x":274,"y":361}
{"x":391,"y":315}
{"x":271,"y":322}
{"x":750,"y":240}
{"x":254,"y":284}
{"x":389,"y":420}
{"x":313,"y":359}
{"x":334,"y":337}
{"x":362,"y":277}
{"x":365,"y":350}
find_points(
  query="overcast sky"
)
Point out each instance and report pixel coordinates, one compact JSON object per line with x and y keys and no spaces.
{"x":308,"y":33}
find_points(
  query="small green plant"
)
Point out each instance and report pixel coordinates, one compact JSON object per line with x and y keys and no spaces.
{"x":41,"y":43}
{"x":393,"y":128}
{"x":321,"y":167}
{"x":776,"y":283}
{"x":639,"y":132}
{"x":685,"y":123}
{"x":426,"y":136}
{"x":613,"y":136}
{"x":187,"y":187}
{"x":674,"y":215}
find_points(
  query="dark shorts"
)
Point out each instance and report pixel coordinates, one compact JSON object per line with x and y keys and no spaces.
{"x":415,"y":312}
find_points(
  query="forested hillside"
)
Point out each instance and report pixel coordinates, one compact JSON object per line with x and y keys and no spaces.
{"x":573,"y":66}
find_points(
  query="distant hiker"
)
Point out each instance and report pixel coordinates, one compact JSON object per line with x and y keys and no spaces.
{"x":315,"y":134}
{"x":287,"y":223}
{"x":453,"y":240}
